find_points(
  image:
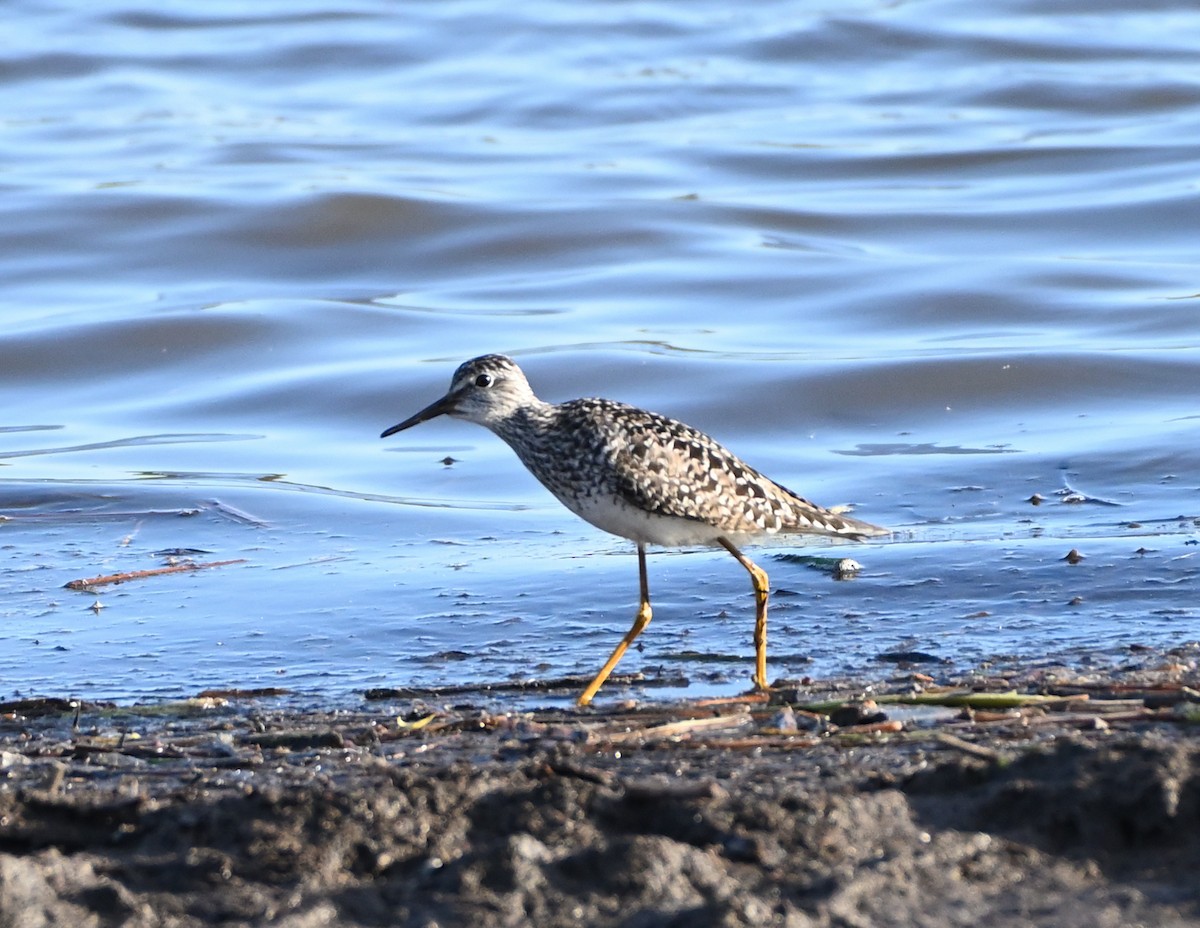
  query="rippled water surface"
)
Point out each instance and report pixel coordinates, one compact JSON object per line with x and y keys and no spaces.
{"x":936,"y":259}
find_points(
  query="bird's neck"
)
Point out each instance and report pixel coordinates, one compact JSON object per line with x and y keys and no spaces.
{"x":528,"y":428}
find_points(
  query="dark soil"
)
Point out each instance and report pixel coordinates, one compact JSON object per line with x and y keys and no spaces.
{"x":1075,"y":812}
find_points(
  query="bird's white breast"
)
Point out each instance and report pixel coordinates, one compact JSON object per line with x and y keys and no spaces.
{"x":617,"y":517}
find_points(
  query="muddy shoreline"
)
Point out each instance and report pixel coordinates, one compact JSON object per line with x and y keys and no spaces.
{"x":1064,"y":798}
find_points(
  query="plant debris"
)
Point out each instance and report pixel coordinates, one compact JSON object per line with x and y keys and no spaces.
{"x":973,"y":801}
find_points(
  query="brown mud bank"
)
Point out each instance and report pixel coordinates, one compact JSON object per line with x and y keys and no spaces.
{"x":1066,"y":801}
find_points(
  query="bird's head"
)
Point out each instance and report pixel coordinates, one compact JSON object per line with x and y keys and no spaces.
{"x":486,"y":390}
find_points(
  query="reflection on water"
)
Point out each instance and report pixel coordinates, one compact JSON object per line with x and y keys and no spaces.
{"x":934,"y":260}
{"x":872,"y":450}
{"x":182,"y":438}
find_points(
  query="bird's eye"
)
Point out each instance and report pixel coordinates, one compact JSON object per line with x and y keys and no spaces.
{"x":484,"y":380}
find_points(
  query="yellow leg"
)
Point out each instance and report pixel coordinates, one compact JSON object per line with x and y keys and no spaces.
{"x":640,"y":622}
{"x":758,"y":577}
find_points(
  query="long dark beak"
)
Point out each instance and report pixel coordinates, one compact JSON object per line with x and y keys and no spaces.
{"x":433,"y":410}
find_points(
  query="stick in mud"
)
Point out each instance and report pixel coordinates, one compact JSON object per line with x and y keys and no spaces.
{"x":105,"y":580}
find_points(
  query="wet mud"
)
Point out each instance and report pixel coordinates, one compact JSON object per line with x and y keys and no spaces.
{"x":1059,"y":799}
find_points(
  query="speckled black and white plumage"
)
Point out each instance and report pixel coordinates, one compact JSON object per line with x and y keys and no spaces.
{"x":638,"y":475}
{"x":633,"y":473}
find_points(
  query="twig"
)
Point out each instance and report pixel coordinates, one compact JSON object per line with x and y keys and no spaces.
{"x":92,"y":582}
{"x":954,"y":698}
{"x":968,"y":747}
{"x":681,"y":728}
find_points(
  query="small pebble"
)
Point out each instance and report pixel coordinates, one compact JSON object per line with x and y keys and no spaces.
{"x":846,"y":569}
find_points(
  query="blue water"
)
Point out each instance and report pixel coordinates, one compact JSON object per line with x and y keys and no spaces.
{"x":928,"y":258}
